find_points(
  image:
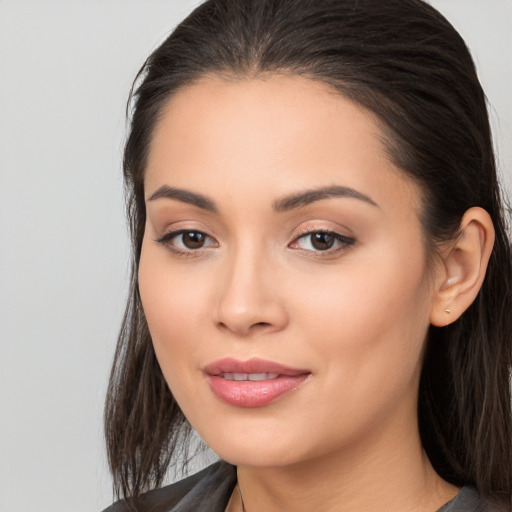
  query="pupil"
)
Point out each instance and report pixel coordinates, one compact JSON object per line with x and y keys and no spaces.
{"x":322,"y":241}
{"x":193,"y":240}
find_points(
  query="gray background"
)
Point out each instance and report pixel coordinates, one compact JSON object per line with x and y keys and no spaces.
{"x":65,"y":70}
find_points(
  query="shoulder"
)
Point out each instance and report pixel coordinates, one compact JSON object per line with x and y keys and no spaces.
{"x":208,"y":490}
{"x":469,"y":500}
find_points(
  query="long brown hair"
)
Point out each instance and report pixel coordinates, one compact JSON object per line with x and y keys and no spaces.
{"x":404,"y":62}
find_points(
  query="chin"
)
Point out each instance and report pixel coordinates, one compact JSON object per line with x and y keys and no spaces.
{"x":256,"y":456}
{"x":259,"y":446}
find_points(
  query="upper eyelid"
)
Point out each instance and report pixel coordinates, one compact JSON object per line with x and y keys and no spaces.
{"x":337,"y":235}
{"x":309,"y":231}
{"x":312,"y":228}
{"x":178,"y":226}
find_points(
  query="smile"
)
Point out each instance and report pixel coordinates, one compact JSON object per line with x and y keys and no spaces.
{"x":249,"y":376}
{"x":253,"y":383}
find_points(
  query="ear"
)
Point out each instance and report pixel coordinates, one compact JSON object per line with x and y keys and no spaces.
{"x":462,"y":268}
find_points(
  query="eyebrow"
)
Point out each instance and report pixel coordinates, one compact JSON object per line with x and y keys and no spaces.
{"x":185,"y":196}
{"x":301,"y":199}
{"x":284,"y":204}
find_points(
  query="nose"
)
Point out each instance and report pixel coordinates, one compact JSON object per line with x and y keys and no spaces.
{"x":249,"y":298}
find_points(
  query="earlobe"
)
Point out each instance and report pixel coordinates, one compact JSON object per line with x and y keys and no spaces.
{"x":462,"y":268}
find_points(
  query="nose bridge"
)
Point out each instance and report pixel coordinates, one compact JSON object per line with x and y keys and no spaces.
{"x":248,"y":297}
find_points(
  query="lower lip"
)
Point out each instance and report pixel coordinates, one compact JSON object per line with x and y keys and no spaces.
{"x":247,"y":393}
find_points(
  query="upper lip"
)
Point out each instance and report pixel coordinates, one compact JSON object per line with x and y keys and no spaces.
{"x":230,"y":365}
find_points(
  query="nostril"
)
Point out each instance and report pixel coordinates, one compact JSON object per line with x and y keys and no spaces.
{"x":252,"y":327}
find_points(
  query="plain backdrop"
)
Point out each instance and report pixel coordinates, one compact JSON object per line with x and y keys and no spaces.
{"x":65,"y":70}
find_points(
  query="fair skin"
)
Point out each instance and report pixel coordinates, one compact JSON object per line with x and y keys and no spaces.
{"x":336,"y":285}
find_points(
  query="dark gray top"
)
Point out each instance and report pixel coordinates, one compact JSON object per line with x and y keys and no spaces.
{"x":210,"y":490}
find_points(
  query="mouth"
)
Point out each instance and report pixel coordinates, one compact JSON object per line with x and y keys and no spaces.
{"x":252,"y":383}
{"x":254,"y":377}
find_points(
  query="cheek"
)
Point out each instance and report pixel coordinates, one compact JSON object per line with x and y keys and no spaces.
{"x":173,"y":304}
{"x":369,"y":320}
{"x":368,"y":344}
{"x":366,"y":293}
{"x":167,"y":298}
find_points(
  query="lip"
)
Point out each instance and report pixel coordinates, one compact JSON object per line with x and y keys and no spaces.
{"x":253,"y":393}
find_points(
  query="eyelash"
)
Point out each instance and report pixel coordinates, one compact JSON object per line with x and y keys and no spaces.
{"x":343,"y":242}
{"x":167,"y":239}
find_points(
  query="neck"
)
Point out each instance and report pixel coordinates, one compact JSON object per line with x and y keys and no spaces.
{"x":387,"y":473}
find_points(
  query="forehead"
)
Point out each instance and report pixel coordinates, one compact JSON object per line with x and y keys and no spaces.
{"x":269,"y":134}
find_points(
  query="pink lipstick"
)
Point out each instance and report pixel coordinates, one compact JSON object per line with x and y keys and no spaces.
{"x":252,"y":383}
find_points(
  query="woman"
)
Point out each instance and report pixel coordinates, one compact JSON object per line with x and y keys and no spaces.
{"x":321,"y":273}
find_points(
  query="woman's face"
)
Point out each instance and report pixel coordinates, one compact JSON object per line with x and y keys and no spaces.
{"x":283,"y":271}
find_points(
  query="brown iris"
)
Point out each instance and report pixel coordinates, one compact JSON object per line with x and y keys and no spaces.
{"x":322,"y":241}
{"x":193,"y":239}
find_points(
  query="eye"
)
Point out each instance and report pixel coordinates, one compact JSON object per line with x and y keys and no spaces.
{"x":322,"y":241}
{"x":191,"y":239}
{"x":186,"y":240}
